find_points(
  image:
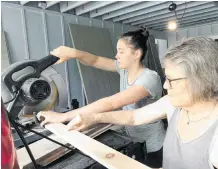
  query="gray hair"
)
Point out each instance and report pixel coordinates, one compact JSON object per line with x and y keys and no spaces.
{"x":198,"y":57}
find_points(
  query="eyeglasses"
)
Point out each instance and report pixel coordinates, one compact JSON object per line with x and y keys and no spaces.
{"x":171,"y":80}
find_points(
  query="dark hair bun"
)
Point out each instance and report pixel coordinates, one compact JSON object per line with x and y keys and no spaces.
{"x":143,"y":31}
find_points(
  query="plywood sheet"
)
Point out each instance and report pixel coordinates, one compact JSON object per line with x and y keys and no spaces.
{"x":97,"y":83}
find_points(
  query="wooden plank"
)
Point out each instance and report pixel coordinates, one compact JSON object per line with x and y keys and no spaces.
{"x":103,"y":154}
{"x":97,"y":83}
{"x":45,"y":151}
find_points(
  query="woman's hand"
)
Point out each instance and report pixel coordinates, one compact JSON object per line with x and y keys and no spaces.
{"x":82,"y":121}
{"x":50,"y":117}
{"x":64,"y":53}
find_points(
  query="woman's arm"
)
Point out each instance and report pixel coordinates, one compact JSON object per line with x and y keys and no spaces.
{"x":113,"y":102}
{"x":98,"y":62}
{"x":140,"y":116}
{"x":144,"y":115}
{"x":65,"y":53}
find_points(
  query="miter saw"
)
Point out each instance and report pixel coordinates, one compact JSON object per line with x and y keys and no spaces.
{"x":31,"y":86}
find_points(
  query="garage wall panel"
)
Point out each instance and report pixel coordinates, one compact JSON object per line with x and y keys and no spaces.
{"x":12,"y":24}
{"x":36,"y":34}
{"x":214,"y":29}
{"x":181,"y":34}
{"x":204,"y":30}
{"x":192,"y":32}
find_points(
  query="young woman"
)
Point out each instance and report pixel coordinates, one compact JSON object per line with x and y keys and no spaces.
{"x":191,"y":107}
{"x":138,"y":87}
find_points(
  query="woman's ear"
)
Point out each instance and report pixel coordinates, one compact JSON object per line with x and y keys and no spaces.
{"x":138,"y":54}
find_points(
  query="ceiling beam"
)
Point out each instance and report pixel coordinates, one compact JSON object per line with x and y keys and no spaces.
{"x":154,"y":12}
{"x":68,"y":5}
{"x":188,"y":20}
{"x":203,"y":16}
{"x":136,"y":7}
{"x":186,"y":17}
{"x":190,"y":11}
{"x":112,"y":7}
{"x":203,"y":20}
{"x":166,"y":13}
{"x":211,"y":20}
{"x":24,"y":2}
{"x":144,"y":7}
{"x":51,"y":3}
{"x":196,"y":23}
{"x":92,"y":5}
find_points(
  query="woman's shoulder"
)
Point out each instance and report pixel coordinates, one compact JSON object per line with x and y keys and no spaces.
{"x":166,"y":105}
{"x":148,"y":74}
{"x":149,"y":71}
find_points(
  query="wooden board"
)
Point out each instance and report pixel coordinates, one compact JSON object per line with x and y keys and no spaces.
{"x":45,"y":151}
{"x":96,"y":83}
{"x":103,"y":154}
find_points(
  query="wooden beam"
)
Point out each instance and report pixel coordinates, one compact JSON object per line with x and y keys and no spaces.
{"x":103,"y":154}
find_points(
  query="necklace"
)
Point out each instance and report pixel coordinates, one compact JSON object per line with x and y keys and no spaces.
{"x":189,"y":121}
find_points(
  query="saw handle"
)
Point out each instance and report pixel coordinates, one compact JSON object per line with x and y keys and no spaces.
{"x":38,"y":65}
{"x":46,"y":62}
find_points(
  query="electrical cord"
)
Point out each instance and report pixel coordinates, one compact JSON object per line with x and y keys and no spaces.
{"x":15,"y":94}
{"x":182,"y":14}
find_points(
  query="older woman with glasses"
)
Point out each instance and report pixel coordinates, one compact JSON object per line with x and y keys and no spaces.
{"x":191,"y":142}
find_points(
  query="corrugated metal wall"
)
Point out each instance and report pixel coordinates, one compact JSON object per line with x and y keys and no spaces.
{"x":203,"y":30}
{"x":31,"y":33}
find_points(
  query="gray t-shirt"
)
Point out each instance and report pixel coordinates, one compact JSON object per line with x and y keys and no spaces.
{"x":180,"y":154}
{"x":153,"y":133}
